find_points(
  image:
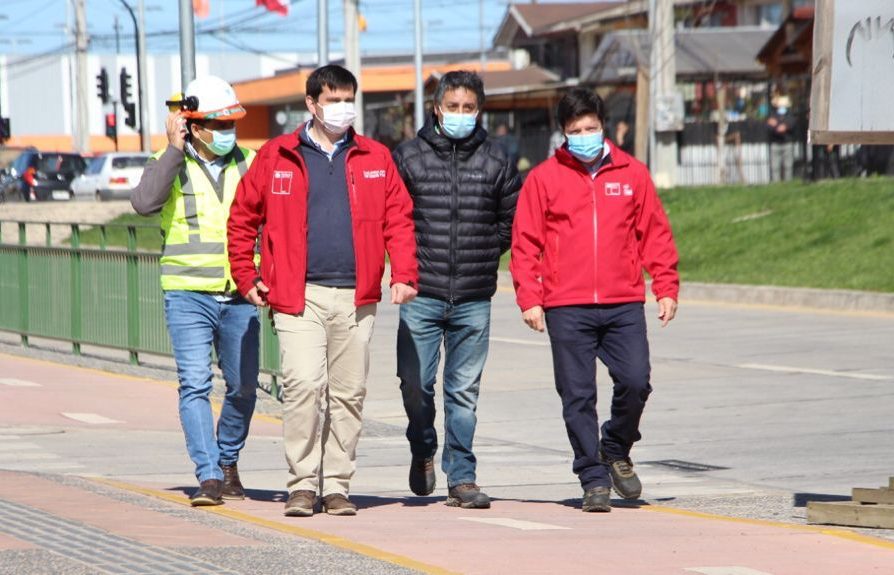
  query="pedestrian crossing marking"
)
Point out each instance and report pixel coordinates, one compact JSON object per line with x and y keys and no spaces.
{"x":91,"y":418}
{"x":515,"y":523}
{"x":13,"y":382}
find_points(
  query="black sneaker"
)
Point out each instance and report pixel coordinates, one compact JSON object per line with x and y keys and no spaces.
{"x":596,"y":499}
{"x":624,"y":478}
{"x":422,"y":475}
{"x":467,"y":496}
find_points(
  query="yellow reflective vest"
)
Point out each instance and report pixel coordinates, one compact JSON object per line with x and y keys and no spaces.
{"x":194,"y":226}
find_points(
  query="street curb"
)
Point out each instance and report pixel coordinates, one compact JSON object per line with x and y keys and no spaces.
{"x":839,"y":300}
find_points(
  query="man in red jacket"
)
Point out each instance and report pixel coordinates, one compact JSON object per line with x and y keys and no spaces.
{"x":588,"y":221}
{"x":330,"y":203}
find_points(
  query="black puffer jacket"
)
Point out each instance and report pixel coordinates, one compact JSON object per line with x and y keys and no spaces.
{"x":464,"y":195}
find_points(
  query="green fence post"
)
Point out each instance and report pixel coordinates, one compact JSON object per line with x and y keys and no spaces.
{"x":23,"y":283}
{"x":76,"y":329}
{"x":133,"y":296}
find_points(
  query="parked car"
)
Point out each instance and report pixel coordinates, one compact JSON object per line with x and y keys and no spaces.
{"x":36,"y":175}
{"x":8,"y":187}
{"x":112,"y":175}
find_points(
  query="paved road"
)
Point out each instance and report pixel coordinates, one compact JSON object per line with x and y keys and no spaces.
{"x":755,"y":411}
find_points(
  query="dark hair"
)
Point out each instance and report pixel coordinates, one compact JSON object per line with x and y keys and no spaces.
{"x":460,"y":79}
{"x":333,"y":77}
{"x":578,"y":102}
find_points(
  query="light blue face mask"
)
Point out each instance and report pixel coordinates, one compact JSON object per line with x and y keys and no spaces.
{"x":223,"y":141}
{"x":586,"y":147}
{"x":458,"y":126}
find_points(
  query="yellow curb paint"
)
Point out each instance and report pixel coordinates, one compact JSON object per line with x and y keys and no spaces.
{"x":334,"y":540}
{"x":215,"y":405}
{"x":840,"y":533}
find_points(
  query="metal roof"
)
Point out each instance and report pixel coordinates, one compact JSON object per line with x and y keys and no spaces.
{"x":700,"y":53}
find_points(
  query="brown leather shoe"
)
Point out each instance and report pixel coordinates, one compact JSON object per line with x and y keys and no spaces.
{"x":339,"y":504}
{"x":300,"y":504}
{"x":232,"y":487}
{"x":209,"y":493}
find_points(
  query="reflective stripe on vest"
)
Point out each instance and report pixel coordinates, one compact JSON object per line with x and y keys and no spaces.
{"x":194,"y":222}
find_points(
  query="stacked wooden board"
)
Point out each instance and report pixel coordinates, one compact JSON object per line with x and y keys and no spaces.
{"x":868,"y":508}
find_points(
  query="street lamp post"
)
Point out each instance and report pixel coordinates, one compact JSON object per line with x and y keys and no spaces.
{"x":140,"y":49}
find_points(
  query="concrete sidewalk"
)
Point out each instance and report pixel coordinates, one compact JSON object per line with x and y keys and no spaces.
{"x":97,"y":479}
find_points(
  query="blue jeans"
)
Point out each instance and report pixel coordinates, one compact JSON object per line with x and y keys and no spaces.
{"x":465,"y":329}
{"x":196,"y":321}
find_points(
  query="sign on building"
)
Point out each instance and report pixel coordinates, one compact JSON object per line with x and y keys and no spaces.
{"x":852,"y":93}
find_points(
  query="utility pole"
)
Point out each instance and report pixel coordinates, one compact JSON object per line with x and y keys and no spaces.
{"x":82,"y":141}
{"x":481,"y":34}
{"x":322,"y":32}
{"x":419,"y":104}
{"x":662,"y":88}
{"x":187,"y":44}
{"x":117,"y":27}
{"x":352,"y":56}
{"x":145,"y":140}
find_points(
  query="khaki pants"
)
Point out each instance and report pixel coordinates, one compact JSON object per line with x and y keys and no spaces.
{"x":324,"y":355}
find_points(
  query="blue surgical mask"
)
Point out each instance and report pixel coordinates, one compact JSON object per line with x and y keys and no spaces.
{"x":782,"y":110}
{"x":458,"y":126}
{"x":222,"y":142}
{"x":586,"y":147}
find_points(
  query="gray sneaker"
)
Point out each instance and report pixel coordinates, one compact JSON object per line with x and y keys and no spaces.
{"x":624,"y":478}
{"x":422,"y":475}
{"x":467,"y":496}
{"x":596,"y":499}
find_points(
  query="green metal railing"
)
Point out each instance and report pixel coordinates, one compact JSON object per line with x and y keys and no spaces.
{"x":95,"y":295}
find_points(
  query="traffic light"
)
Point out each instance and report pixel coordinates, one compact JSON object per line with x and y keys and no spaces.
{"x":102,"y":85}
{"x":111,"y":126}
{"x":130,"y":115}
{"x":5,"y":132}
{"x":125,"y":87}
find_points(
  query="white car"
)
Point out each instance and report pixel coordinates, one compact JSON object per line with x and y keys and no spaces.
{"x":110,"y":176}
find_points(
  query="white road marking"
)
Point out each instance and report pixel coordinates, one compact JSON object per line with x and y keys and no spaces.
{"x":13,"y":457}
{"x":520,"y":341}
{"x":12,"y":382}
{"x":18,"y":446}
{"x":91,"y":418}
{"x":37,"y":466}
{"x":827,"y":372}
{"x":732,"y":570}
{"x":515,"y":523}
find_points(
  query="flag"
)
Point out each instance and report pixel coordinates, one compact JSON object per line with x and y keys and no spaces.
{"x":281,"y":7}
{"x":201,"y":8}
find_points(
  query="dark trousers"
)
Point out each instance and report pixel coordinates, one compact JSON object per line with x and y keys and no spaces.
{"x":616,"y":334}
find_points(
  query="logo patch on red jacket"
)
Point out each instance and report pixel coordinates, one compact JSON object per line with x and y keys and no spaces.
{"x":373,"y":174}
{"x":628,"y":191}
{"x":282,"y":183}
{"x":612,"y":189}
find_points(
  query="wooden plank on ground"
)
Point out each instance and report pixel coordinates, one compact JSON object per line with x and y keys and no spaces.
{"x":863,"y":495}
{"x":851,"y":513}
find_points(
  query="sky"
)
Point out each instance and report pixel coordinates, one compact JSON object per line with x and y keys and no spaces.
{"x":38,"y":26}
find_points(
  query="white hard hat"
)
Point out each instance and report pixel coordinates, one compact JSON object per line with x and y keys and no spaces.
{"x":216,"y":100}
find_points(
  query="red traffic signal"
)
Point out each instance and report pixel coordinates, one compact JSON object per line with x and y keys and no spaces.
{"x":111,"y":126}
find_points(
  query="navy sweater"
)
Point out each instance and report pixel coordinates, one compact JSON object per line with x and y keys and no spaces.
{"x":330,"y":237}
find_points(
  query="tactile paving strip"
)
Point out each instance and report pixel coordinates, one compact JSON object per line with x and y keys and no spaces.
{"x":101,"y":550}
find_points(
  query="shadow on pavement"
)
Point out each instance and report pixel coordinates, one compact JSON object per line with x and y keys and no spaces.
{"x":801,"y":499}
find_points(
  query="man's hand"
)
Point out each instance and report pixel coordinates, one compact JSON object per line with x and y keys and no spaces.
{"x":667,"y":309}
{"x":258,"y":294}
{"x":175,"y":125}
{"x":402,"y":293}
{"x":534,"y":318}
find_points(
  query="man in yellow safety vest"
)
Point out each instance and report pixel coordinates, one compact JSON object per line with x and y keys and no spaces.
{"x":192,"y":183}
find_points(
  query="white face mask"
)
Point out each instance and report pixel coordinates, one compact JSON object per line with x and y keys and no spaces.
{"x":337,"y":117}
